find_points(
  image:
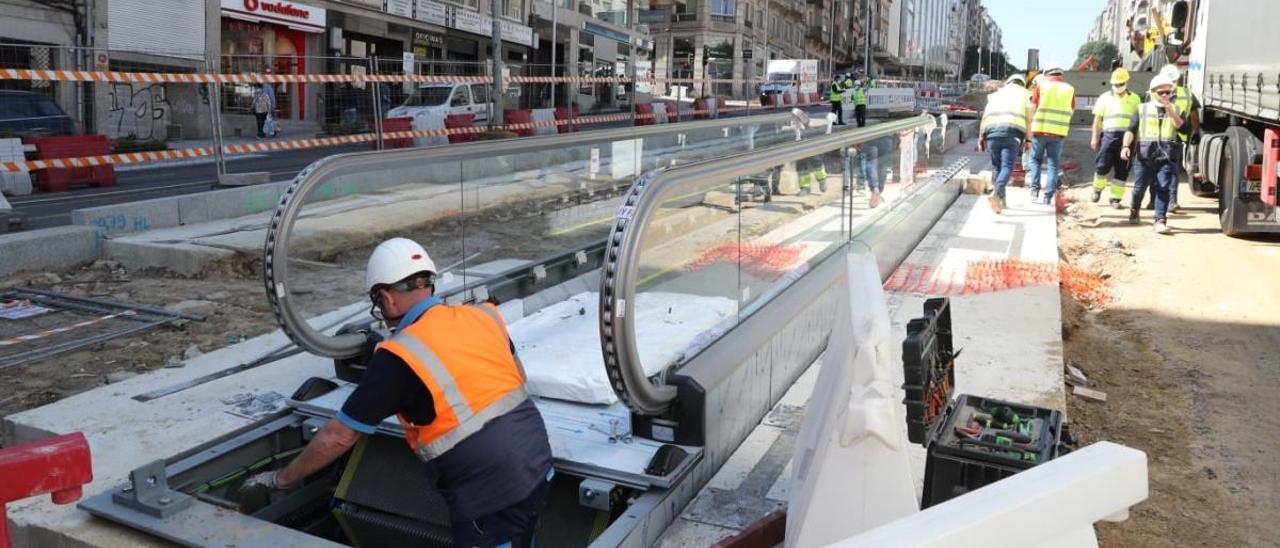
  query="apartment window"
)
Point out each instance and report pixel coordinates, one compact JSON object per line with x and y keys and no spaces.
{"x":687,"y":11}
{"x":513,"y":9}
{"x":723,"y":8}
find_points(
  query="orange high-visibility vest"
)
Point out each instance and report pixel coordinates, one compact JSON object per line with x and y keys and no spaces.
{"x":463,"y":356}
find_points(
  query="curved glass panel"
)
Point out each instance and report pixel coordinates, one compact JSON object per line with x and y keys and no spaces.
{"x":506,"y":219}
{"x":711,"y":243}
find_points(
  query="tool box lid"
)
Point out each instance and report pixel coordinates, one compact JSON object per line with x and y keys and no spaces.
{"x":928,"y":364}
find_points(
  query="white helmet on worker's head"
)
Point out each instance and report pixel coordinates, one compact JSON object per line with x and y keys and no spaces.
{"x":1053,"y":68}
{"x":395,"y":260}
{"x":1017,"y":79}
{"x":1160,"y":81}
{"x":1171,"y":72}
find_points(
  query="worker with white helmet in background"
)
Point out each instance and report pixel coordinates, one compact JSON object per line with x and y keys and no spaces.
{"x":1054,"y":102}
{"x":1112,"y":115}
{"x":1188,"y":106}
{"x":1002,"y":132}
{"x":450,"y":375}
{"x":1155,"y":130}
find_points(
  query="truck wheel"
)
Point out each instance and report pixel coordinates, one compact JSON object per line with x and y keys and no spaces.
{"x":1235,"y":156}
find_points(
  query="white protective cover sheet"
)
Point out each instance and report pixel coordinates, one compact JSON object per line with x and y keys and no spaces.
{"x":560,"y":344}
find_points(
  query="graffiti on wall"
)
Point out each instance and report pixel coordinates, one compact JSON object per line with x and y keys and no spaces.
{"x":138,"y":111}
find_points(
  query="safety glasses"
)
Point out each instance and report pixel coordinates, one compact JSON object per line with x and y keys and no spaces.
{"x":1164,"y":93}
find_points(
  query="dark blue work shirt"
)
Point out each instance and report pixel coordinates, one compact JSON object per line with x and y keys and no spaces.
{"x":492,"y":469}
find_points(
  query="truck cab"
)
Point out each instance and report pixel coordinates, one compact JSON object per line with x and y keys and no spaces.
{"x":431,"y":100}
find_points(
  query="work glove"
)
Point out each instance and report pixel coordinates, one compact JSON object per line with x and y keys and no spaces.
{"x":261,"y":480}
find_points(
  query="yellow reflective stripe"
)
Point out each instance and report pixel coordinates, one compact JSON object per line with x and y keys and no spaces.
{"x":472,"y":425}
{"x":1054,"y":111}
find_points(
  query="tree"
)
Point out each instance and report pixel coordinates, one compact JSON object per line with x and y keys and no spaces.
{"x":1105,"y":53}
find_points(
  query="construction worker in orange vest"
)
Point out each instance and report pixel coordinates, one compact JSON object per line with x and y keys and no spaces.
{"x":450,"y":375}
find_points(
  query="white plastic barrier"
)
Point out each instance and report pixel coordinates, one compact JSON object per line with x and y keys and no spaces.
{"x":428,"y":120}
{"x":850,"y":469}
{"x":13,"y":183}
{"x":852,"y":481}
{"x":660,"y":113}
{"x":892,"y":100}
{"x":545,"y":115}
{"x":1054,"y":505}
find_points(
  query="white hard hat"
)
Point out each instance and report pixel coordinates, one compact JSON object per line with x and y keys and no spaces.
{"x":1171,"y":72}
{"x":1052,"y":68}
{"x":1160,"y":80}
{"x":1019,"y":78}
{"x":395,"y":260}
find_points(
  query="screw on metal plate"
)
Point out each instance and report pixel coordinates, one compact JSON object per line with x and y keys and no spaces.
{"x":148,"y":492}
{"x":580,"y":257}
{"x":539,"y":273}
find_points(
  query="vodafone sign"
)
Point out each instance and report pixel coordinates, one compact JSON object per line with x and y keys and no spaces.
{"x":279,"y":12}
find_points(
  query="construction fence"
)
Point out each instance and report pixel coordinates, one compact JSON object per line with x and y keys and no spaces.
{"x":155,"y":109}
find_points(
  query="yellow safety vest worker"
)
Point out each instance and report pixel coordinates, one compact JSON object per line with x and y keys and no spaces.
{"x":1054,"y":113}
{"x":1006,"y":109}
{"x":860,"y":95}
{"x":1154,"y":128}
{"x":836,"y":93}
{"x":463,"y":356}
{"x":1182,"y":102}
{"x":1116,"y":112}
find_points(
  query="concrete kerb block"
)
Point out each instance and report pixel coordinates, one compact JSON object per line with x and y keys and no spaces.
{"x":180,"y":259}
{"x":244,"y":179}
{"x":57,"y":248}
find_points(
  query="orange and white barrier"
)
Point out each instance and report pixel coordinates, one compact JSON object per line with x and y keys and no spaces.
{"x":57,"y":330}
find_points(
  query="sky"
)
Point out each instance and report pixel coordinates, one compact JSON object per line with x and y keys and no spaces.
{"x":1057,"y":28}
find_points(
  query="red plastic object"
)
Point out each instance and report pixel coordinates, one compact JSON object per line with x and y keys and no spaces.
{"x":562,"y":113}
{"x":771,"y":100}
{"x":390,"y":125}
{"x":786,"y":99}
{"x":73,"y":146}
{"x":700,"y":109}
{"x":519,"y":117}
{"x":813,"y":97}
{"x":456,"y":121}
{"x":644,"y":114}
{"x":58,"y":466}
{"x":1270,"y":156}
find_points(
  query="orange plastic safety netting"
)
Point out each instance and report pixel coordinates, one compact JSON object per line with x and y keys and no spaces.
{"x":766,"y":261}
{"x":989,"y":275}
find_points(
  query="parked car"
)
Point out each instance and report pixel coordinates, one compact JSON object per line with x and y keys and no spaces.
{"x":25,"y":114}
{"x":445,"y":99}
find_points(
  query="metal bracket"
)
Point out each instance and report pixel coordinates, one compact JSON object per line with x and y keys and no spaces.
{"x":539,"y":273}
{"x":148,"y":492}
{"x":580,"y":257}
{"x":597,"y":494}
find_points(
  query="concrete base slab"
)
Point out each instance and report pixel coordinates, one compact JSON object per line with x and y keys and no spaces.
{"x":1012,"y":343}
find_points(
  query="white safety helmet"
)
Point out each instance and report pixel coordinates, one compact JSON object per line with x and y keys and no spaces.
{"x":1171,"y":72}
{"x":1053,"y":68}
{"x":1160,"y":80}
{"x":395,"y":260}
{"x":1018,"y":79}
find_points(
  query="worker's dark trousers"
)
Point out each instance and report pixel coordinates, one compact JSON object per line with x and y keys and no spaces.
{"x":514,"y":526}
{"x":1160,"y":177}
{"x":837,"y":108}
{"x":860,"y":114}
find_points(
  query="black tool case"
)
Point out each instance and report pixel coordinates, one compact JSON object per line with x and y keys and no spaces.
{"x":1013,"y":436}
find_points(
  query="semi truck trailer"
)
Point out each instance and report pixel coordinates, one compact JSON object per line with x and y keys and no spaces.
{"x":1231,"y":53}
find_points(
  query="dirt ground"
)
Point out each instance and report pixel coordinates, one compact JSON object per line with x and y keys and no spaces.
{"x":1188,"y":352}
